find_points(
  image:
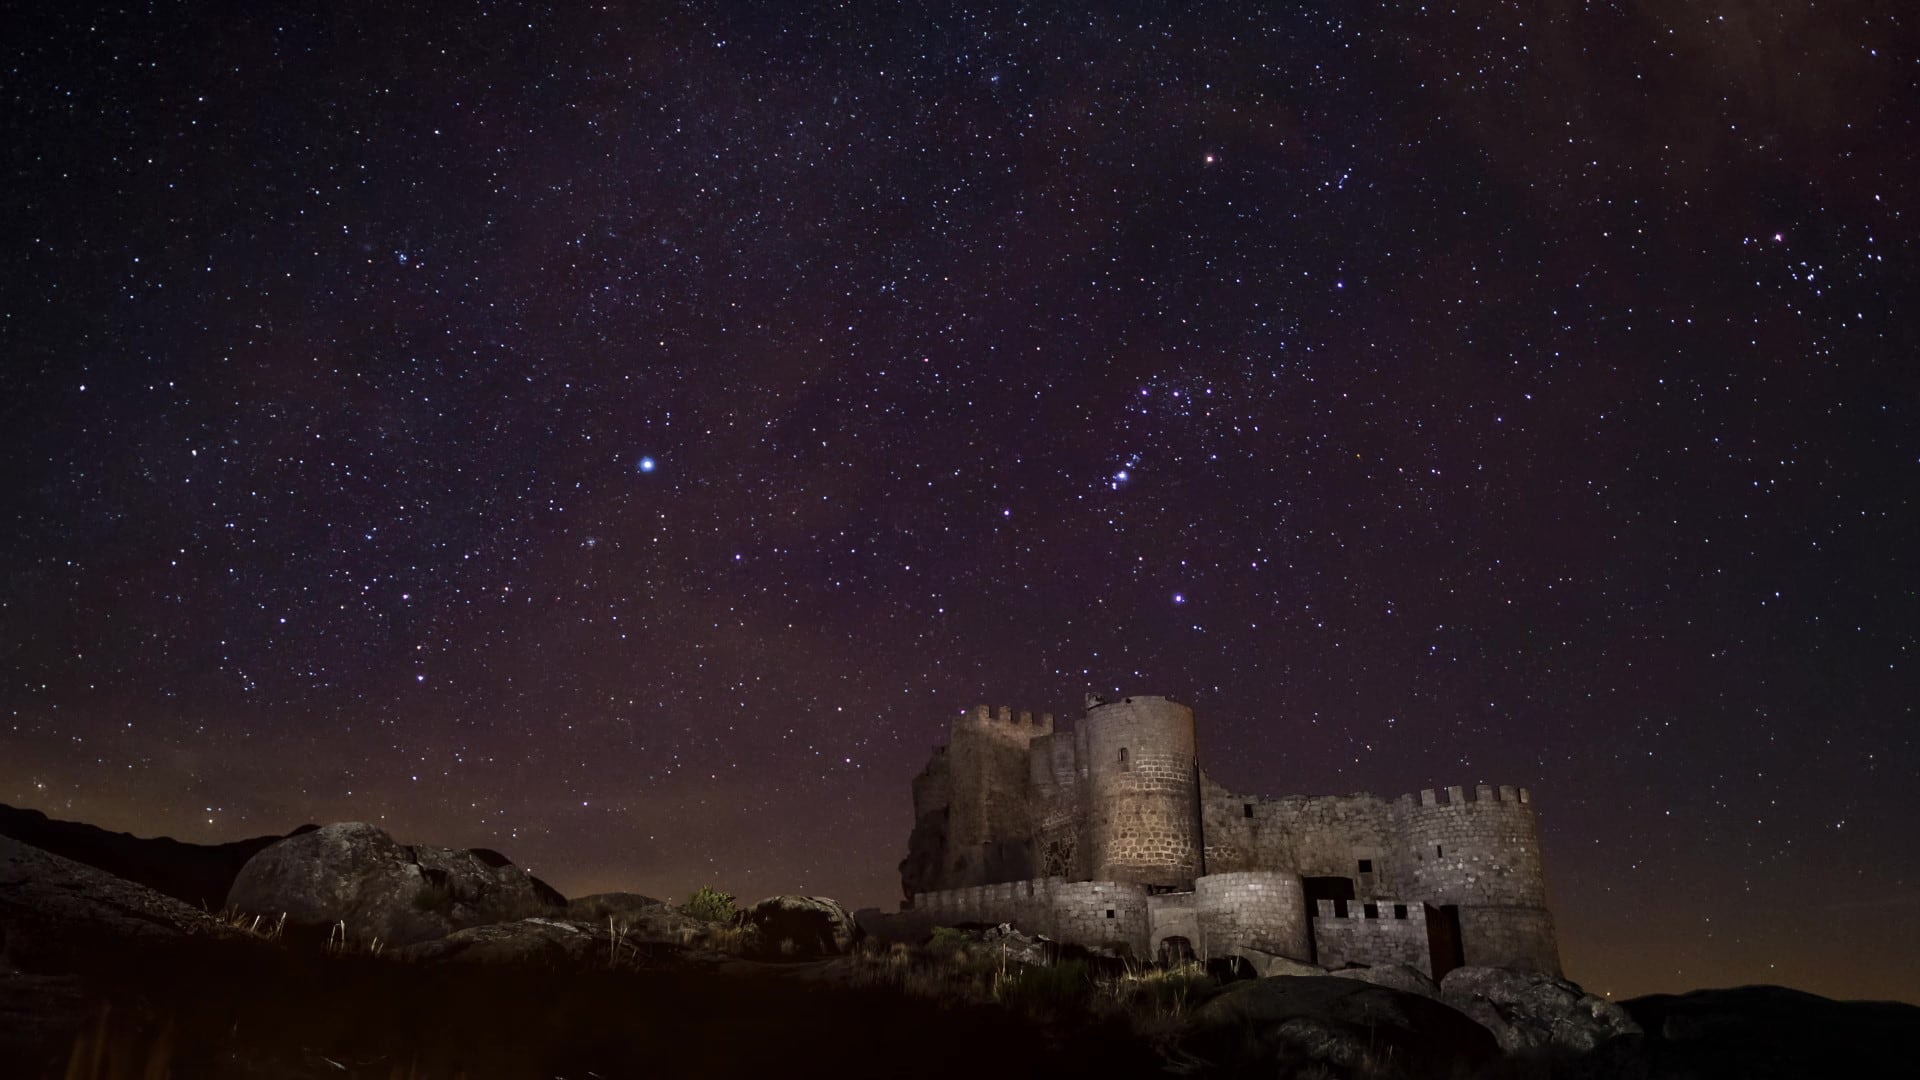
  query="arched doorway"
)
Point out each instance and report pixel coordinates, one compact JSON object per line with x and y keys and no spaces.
{"x":1176,"y":950}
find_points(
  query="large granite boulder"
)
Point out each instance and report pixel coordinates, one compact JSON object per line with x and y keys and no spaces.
{"x":359,"y":875}
{"x":1268,"y":965}
{"x":1530,"y":1011}
{"x":802,"y":927}
{"x":54,"y":911}
{"x":1395,"y":977}
{"x":1289,"y":1025}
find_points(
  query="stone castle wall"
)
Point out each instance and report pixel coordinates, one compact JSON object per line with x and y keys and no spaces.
{"x":1261,"y":909}
{"x":1091,"y":913}
{"x":1120,"y":803}
{"x":1319,"y":836}
{"x":1373,"y":932}
{"x":989,"y":834}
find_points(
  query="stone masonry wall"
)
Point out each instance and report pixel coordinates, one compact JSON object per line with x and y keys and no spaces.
{"x":1373,"y":932}
{"x":1261,"y":909}
{"x":1076,"y":912}
{"x":1320,"y":836}
{"x":989,"y":834}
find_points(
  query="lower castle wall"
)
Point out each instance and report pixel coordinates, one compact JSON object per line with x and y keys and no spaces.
{"x":1513,"y":937}
{"x":1075,"y":912}
{"x":1261,"y":909}
{"x":1383,"y":938}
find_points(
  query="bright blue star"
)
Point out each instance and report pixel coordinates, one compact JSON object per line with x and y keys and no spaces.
{"x":1179,"y":598}
{"x":645,"y":464}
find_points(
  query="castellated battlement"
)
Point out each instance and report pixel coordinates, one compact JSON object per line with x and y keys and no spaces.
{"x":1024,"y":724}
{"x":1460,"y":793}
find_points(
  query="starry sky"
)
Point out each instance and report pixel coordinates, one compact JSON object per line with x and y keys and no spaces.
{"x":628,"y":436}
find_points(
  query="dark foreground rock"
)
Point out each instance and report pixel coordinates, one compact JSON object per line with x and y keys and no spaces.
{"x":356,"y":874}
{"x":1288,"y":1024}
{"x":1773,"y":1033}
{"x":103,"y":979}
{"x":1528,"y":1011}
{"x":53,"y":908}
{"x":1268,"y":965}
{"x":196,"y":874}
{"x":802,"y":927}
{"x":1394,"y":977}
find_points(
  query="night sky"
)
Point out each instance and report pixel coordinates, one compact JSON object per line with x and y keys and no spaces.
{"x":628,"y":437}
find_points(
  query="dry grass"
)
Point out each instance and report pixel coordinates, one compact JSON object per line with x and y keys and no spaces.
{"x":255,"y":925}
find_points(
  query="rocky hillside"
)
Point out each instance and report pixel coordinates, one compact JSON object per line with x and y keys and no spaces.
{"x":425,"y":961}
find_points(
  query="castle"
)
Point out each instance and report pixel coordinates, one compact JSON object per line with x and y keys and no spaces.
{"x":1110,"y":834}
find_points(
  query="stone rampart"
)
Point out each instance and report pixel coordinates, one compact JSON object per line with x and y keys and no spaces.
{"x":1092,"y":913}
{"x":1372,"y":932}
{"x":1261,"y":909}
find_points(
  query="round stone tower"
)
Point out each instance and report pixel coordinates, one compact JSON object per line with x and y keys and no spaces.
{"x":1143,"y":791}
{"x":1476,"y":851}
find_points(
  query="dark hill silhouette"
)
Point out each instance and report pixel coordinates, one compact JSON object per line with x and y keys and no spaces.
{"x":197,"y":874}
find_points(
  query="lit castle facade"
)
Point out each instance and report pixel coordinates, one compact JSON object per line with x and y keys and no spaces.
{"x":1110,"y":834}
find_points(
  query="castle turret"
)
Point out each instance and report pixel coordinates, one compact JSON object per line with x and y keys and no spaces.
{"x":1478,"y":850}
{"x":1139,"y":756}
{"x":990,"y":831}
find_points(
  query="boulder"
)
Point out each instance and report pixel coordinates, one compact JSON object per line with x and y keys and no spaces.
{"x":55,"y":910}
{"x":1395,"y":977}
{"x":1296,"y":1024}
{"x":536,"y":942}
{"x":1270,"y":965}
{"x":619,"y":905}
{"x":1004,"y":941}
{"x":357,"y":874}
{"x":802,"y":927}
{"x":1530,"y":1011}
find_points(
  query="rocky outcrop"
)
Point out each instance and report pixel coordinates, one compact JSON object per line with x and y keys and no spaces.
{"x":1268,"y":965}
{"x":1528,"y":1011}
{"x":1394,"y":977}
{"x":620,"y":905}
{"x":1288,"y":1025}
{"x":1772,"y":1031}
{"x":802,"y":927}
{"x":54,"y":909}
{"x":357,"y":874}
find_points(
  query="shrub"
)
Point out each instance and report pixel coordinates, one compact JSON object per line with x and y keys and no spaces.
{"x":946,"y":941}
{"x":1045,"y":990}
{"x":710,"y":904}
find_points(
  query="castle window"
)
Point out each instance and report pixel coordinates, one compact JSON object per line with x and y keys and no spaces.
{"x":1247,"y":809}
{"x":1399,"y":911}
{"x":1372,"y":910}
{"x":1366,"y":866}
{"x":1124,"y":767}
{"x":1109,"y":913}
{"x":1439,"y":852}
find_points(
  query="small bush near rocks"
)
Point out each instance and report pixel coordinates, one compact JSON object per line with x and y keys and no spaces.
{"x":946,"y":941}
{"x":710,"y":904}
